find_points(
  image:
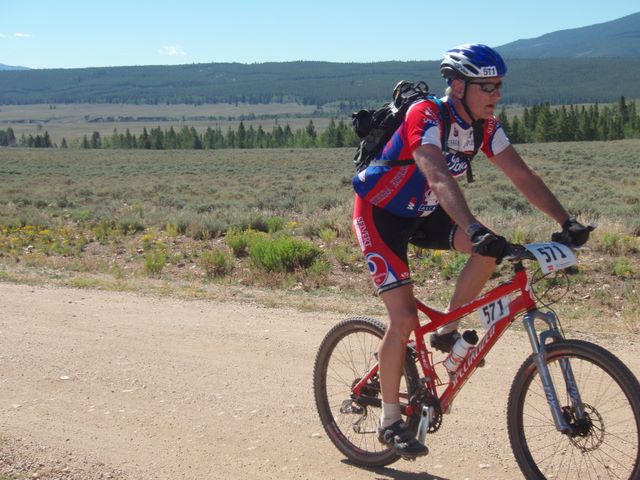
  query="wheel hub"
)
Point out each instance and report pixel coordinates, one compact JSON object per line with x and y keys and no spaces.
{"x":587,"y":433}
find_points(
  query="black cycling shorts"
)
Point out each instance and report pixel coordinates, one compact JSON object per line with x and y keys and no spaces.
{"x":384,"y":240}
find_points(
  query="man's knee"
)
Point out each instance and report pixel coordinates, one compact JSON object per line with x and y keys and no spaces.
{"x":401,"y":324}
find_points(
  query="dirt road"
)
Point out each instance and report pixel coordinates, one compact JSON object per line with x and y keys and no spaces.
{"x":112,"y":385}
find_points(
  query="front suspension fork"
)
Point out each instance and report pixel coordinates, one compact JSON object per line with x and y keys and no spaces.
{"x":538,"y":344}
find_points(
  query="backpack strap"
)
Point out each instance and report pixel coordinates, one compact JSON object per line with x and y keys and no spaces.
{"x":446,"y":118}
{"x":444,"y":113}
{"x":478,"y":131}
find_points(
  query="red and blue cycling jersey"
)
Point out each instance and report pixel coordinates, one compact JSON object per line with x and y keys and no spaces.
{"x":402,"y":189}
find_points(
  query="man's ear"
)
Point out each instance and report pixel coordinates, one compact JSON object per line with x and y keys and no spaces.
{"x":457,"y":88}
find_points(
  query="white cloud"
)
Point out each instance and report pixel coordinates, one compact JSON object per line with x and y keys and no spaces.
{"x":172,"y":51}
{"x":22,"y":35}
{"x":2,"y":35}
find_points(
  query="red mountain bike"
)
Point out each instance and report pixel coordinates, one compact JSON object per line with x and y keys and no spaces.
{"x":573,"y":410}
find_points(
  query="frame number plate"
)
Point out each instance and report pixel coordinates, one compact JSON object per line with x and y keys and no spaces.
{"x":494,"y":311}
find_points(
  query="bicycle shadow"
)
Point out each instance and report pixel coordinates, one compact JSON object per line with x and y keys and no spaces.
{"x":385,"y":473}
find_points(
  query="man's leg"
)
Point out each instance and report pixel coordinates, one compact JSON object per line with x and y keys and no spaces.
{"x":471,"y":280}
{"x":403,"y":316}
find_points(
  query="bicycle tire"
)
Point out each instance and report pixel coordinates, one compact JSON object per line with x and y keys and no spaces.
{"x":608,"y":447}
{"x":345,"y":355}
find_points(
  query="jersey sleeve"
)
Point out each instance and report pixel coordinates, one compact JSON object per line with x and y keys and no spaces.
{"x":424,"y":125}
{"x":494,"y":139}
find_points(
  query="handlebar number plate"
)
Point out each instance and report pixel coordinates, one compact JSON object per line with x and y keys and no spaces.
{"x":552,"y":256}
{"x":494,"y":311}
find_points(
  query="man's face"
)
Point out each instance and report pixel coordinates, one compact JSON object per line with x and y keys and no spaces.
{"x":483,"y":95}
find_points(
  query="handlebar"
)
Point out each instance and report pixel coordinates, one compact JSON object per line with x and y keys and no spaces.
{"x":516,"y":253}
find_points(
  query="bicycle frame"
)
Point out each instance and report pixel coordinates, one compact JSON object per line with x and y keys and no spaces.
{"x":523,"y":301}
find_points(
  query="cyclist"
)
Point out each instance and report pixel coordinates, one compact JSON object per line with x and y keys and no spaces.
{"x":420,"y":202}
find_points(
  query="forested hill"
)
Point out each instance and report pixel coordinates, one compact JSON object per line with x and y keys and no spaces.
{"x":316,"y":83}
{"x":617,"y":38}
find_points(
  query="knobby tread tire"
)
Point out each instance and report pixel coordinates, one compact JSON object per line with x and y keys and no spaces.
{"x":370,"y":454}
{"x":575,"y":458}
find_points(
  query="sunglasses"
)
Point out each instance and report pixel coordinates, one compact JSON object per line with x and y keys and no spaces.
{"x":488,"y":87}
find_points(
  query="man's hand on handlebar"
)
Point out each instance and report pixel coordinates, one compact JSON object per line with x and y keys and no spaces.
{"x":486,"y":243}
{"x":573,"y":233}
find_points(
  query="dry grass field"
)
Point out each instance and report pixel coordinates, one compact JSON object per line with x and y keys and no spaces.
{"x":188,"y":222}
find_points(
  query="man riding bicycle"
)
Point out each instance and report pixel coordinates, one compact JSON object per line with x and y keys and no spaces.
{"x":420,"y":202}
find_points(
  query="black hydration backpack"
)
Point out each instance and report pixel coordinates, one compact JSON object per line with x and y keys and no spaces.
{"x":375,"y":127}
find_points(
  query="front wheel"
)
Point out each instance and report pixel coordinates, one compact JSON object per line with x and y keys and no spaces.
{"x":346,"y":354}
{"x":604,"y":443}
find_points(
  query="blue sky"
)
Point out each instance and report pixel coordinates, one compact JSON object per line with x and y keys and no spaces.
{"x":75,"y":34}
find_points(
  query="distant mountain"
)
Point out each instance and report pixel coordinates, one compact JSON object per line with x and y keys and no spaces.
{"x":617,"y":38}
{"x":4,"y":67}
{"x":312,"y":83}
{"x":580,"y":65}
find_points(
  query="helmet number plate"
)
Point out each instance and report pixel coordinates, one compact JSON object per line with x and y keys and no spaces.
{"x":489,"y":72}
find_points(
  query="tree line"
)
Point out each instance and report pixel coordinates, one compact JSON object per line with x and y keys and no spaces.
{"x":540,"y":123}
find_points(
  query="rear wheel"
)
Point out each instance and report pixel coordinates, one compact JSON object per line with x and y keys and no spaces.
{"x":346,"y":354}
{"x":605,"y":443}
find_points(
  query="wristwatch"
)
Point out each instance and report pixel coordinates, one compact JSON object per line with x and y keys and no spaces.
{"x":473,"y":228}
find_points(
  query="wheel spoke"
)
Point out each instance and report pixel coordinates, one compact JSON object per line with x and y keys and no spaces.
{"x":606,"y":441}
{"x":346,"y":356}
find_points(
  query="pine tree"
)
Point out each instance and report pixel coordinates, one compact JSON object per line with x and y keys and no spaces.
{"x":544,"y":124}
{"x":171,"y":139}
{"x":11,"y":137}
{"x":115,"y":139}
{"x":518,"y":134}
{"x":504,"y":120}
{"x":145,"y":140}
{"x":241,"y":136}
{"x":623,"y":109}
{"x":46,"y":140}
{"x":95,"y":140}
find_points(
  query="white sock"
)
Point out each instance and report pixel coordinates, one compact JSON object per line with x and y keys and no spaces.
{"x":448,"y":328}
{"x":390,"y":414}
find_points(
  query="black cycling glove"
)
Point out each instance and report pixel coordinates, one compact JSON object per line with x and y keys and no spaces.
{"x":488,"y":244}
{"x":573,"y":233}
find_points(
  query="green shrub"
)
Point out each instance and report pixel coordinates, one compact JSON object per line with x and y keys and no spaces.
{"x":453,"y":264}
{"x":131,"y":225}
{"x":346,"y":255}
{"x":238,"y":240}
{"x":328,"y":235}
{"x":610,"y":243}
{"x":216,"y":263}
{"x":172,"y":230}
{"x":622,"y":267}
{"x":253,"y":222}
{"x":207,"y":228}
{"x":154,"y":263}
{"x":275,"y":224}
{"x":283,"y":254}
